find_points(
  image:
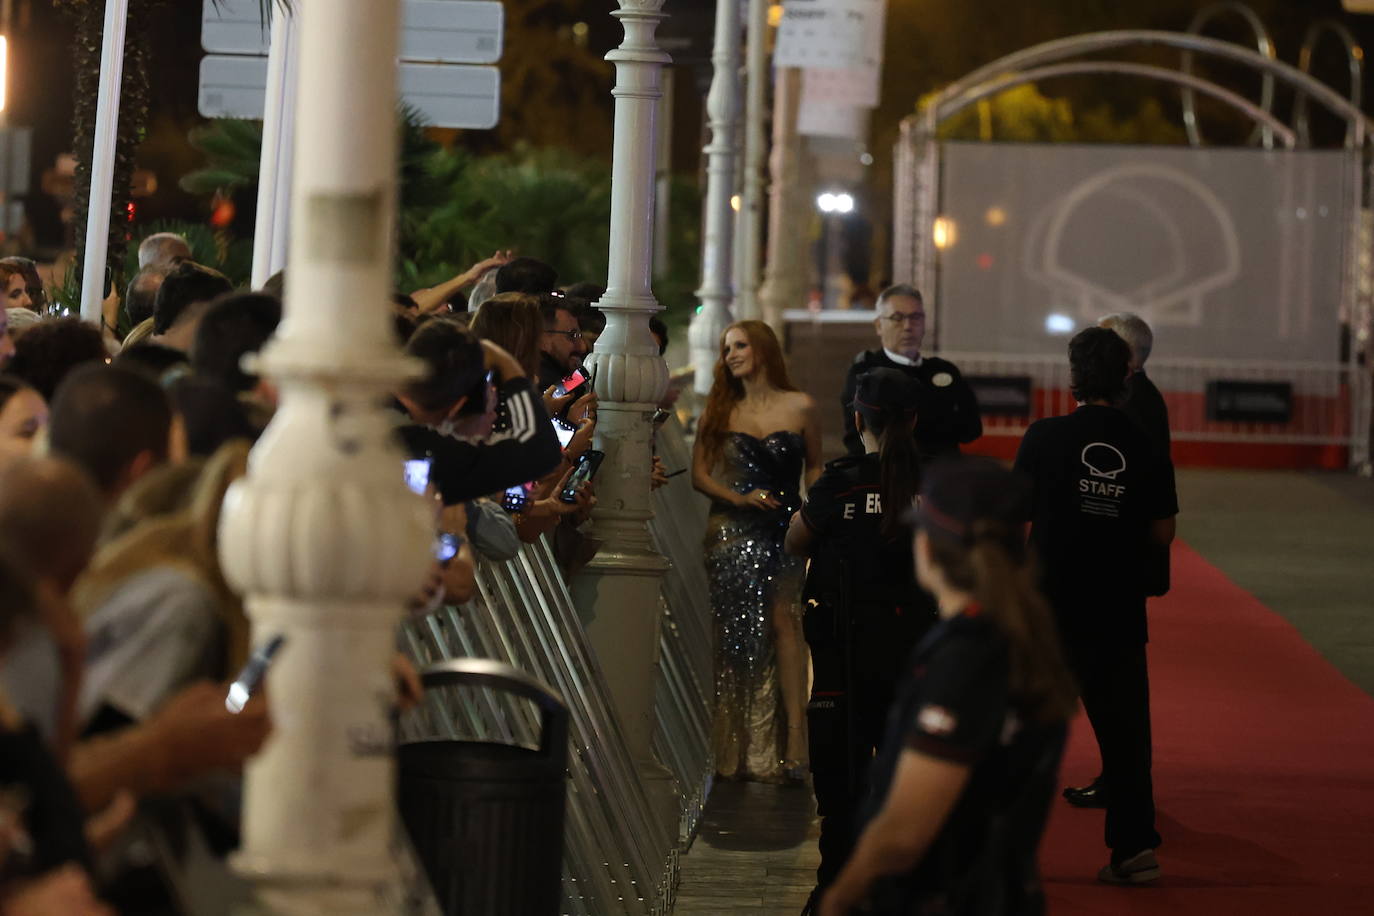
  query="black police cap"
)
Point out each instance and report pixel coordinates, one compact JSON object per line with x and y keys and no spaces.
{"x":882,"y":390}
{"x":958,"y":493}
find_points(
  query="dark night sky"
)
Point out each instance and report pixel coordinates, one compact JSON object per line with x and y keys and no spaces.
{"x":41,"y":84}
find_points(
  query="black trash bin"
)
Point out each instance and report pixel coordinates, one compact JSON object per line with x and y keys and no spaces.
{"x":487,"y":819}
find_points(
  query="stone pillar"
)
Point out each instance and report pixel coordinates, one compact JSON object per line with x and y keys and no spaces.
{"x":618,"y":592}
{"x":722,"y":110}
{"x":784,"y":281}
{"x":323,"y":537}
{"x":759,"y":75}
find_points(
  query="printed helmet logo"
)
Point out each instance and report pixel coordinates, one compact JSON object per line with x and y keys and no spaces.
{"x":1103,"y":460}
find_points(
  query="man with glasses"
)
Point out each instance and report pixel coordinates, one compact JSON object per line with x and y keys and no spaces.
{"x":951,"y":417}
{"x":562,"y":344}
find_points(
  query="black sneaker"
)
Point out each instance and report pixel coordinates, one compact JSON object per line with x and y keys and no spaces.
{"x":1141,"y":868}
{"x":1093,"y":795}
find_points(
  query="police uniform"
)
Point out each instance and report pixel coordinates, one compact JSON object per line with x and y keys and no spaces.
{"x":955,"y":704}
{"x":946,"y":417}
{"x":864,"y":613}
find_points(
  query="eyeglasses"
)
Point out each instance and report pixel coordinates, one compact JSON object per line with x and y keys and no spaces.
{"x":571,"y":335}
{"x":897,"y":318}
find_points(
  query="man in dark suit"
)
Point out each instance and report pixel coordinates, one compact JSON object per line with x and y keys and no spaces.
{"x":951,"y":417}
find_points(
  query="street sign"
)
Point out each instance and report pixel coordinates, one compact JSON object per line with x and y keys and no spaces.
{"x":445,"y":95}
{"x":834,"y":34}
{"x":448,"y":31}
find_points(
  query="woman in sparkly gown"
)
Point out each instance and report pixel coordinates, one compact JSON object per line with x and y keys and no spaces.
{"x":757,"y":432}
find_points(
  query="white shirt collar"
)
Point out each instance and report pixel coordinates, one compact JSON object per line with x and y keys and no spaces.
{"x":901,"y":360}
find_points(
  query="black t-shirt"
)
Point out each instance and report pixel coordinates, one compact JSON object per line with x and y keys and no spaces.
{"x":525,"y":449}
{"x":955,"y":704}
{"x":1098,"y":485}
{"x":949,"y":418}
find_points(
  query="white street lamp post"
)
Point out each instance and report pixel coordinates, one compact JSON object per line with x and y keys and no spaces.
{"x":619,"y":591}
{"x":323,"y":537}
{"x":784,"y":283}
{"x":722,"y":109}
{"x":755,"y":151}
{"x":278,"y":140}
{"x":102,"y":160}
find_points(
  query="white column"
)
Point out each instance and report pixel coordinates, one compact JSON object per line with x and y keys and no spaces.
{"x":722,"y":109}
{"x":278,"y":140}
{"x":103,"y":160}
{"x":664,"y":178}
{"x":618,"y":592}
{"x":322,"y":536}
{"x":755,"y":150}
{"x":784,"y":282}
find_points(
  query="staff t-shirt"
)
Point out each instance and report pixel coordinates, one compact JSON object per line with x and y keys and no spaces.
{"x":1098,"y":484}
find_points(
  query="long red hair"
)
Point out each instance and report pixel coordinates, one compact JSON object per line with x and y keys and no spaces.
{"x":727,"y":391}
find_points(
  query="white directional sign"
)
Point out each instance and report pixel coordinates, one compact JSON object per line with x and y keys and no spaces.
{"x":445,"y":95}
{"x":837,"y":34}
{"x":449,"y":31}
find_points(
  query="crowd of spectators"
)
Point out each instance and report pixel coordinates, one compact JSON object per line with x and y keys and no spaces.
{"x":118,"y":629}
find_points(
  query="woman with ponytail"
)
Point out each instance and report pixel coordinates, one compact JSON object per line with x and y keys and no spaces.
{"x":864,"y":611}
{"x":962,"y":788}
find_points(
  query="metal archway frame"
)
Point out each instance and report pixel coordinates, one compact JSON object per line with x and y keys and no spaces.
{"x":1264,"y":45}
{"x":1354,"y":61}
{"x":918,"y":167}
{"x":1262,"y":117}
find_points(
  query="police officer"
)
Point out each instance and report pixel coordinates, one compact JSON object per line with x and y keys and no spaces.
{"x":864,"y":611}
{"x":962,"y":786}
{"x":950,"y":417}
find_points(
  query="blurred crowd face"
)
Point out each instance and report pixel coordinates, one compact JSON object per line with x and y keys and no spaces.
{"x":738,"y":353}
{"x":901,"y":324}
{"x":564,"y":341}
{"x":17,"y":293}
{"x":24,"y":414}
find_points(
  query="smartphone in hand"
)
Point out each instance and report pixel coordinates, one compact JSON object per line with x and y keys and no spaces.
{"x":251,"y":675}
{"x":586,"y":469}
{"x":575,"y":384}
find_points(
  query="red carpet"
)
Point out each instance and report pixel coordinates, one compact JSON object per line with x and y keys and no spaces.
{"x":1263,"y":769}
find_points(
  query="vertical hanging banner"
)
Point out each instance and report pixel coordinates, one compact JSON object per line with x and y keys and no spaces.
{"x":838,"y":44}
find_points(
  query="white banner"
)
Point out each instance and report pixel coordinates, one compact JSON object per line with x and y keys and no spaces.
{"x":831,"y":34}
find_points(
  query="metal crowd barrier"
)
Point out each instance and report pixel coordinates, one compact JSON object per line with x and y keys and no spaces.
{"x":686,"y":678}
{"x":525,"y":617}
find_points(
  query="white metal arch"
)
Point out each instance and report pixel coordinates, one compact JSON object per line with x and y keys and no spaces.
{"x":1264,"y":44}
{"x":1355,"y":62}
{"x":1263,"y":118}
{"x":1096,"y":42}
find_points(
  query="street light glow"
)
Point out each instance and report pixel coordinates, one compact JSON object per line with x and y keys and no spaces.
{"x":835,"y":202}
{"x":944,"y":233}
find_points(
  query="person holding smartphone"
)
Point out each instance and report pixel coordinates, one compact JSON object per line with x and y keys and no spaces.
{"x":455,"y":388}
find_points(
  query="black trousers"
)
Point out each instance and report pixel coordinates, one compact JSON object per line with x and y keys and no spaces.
{"x":1115,"y":685}
{"x":854,"y":678}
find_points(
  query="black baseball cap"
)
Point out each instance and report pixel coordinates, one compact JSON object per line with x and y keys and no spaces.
{"x":881,"y":390}
{"x":957,"y":493}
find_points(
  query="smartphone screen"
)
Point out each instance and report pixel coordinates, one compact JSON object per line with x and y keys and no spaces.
{"x":564,"y":431}
{"x":446,"y":546}
{"x":575,"y":380}
{"x":585,"y":471}
{"x":248,"y":679}
{"x":516,"y":498}
{"x":417,"y":475}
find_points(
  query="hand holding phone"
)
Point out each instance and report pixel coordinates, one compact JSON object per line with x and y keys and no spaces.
{"x":583,"y":472}
{"x":251,"y":675}
{"x":574,"y":384}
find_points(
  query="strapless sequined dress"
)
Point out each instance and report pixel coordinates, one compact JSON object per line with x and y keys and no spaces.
{"x":749,"y":574}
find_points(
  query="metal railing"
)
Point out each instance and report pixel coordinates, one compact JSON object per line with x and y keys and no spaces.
{"x":1328,"y":399}
{"x":524,"y":616}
